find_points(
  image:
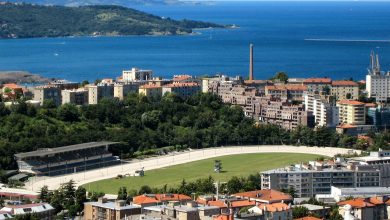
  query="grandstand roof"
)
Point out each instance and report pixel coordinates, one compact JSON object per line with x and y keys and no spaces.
{"x":48,"y":151}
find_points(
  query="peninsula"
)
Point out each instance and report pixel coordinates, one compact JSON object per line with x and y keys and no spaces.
{"x":29,"y":21}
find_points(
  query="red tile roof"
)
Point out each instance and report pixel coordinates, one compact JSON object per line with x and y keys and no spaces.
{"x":181,"y":77}
{"x":156,"y":198}
{"x":344,"y":83}
{"x":357,"y":203}
{"x":242,"y":203}
{"x":268,"y":195}
{"x":317,"y":80}
{"x":275,"y":207}
{"x":350,"y":102}
{"x":376,"y":201}
{"x":11,"y":86}
{"x":217,"y":203}
{"x":346,"y":126}
{"x":150,"y":86}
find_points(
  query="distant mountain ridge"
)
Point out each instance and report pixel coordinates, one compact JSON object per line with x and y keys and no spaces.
{"x":126,"y":3}
{"x":27,"y":21}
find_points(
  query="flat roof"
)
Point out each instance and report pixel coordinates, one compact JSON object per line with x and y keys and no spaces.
{"x":48,"y":151}
{"x":111,"y":205}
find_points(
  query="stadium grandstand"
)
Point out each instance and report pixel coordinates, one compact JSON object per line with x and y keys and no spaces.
{"x":68,"y":159}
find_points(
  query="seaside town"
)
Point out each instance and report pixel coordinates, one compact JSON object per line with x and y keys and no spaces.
{"x":348,"y":184}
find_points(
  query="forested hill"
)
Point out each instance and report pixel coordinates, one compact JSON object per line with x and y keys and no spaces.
{"x":26,"y":21}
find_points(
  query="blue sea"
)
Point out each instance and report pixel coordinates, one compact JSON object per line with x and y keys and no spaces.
{"x":332,"y":39}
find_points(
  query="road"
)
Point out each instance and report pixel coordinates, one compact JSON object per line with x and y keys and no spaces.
{"x":35,"y":183}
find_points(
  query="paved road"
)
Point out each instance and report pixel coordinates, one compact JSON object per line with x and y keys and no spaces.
{"x":80,"y":178}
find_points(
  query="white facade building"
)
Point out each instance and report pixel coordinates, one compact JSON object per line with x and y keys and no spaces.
{"x":377,"y":82}
{"x":325,"y":113}
{"x":136,"y":74}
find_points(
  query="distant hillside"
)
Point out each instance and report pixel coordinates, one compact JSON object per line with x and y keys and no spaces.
{"x":127,"y":3}
{"x":26,"y":21}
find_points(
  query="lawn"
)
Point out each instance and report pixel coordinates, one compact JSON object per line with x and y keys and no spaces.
{"x":232,"y":165}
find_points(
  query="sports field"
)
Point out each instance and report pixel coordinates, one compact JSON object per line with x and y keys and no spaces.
{"x":232,"y":165}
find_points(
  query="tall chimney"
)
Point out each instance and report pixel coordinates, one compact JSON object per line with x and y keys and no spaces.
{"x":251,"y":62}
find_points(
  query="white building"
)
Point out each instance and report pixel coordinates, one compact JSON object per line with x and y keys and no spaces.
{"x":338,"y":194}
{"x":326,"y":114}
{"x":99,"y":91}
{"x":136,"y":74}
{"x":377,"y":82}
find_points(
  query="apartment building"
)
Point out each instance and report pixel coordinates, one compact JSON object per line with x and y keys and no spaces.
{"x":47,"y":92}
{"x":344,"y":89}
{"x":121,"y":90}
{"x":136,"y":74}
{"x":352,"y":112}
{"x":150,"y":90}
{"x":268,"y":110}
{"x":43,"y":211}
{"x":109,"y":210}
{"x":318,"y":177}
{"x":75,"y":96}
{"x":286,"y":91}
{"x":275,"y":211}
{"x":377,"y":82}
{"x":374,"y":208}
{"x":99,"y":91}
{"x":324,"y":110}
{"x":182,"y":89}
{"x":317,"y":84}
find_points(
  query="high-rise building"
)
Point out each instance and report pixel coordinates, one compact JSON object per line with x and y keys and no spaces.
{"x":136,"y":74}
{"x":352,"y":112}
{"x":99,"y":91}
{"x":325,"y":112}
{"x":377,"y":82}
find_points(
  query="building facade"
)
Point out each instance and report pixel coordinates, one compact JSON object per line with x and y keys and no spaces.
{"x":42,"y":93}
{"x":377,"y":82}
{"x":345,"y":90}
{"x":109,"y":210}
{"x":99,"y":91}
{"x":326,"y":114}
{"x":182,"y":89}
{"x":136,"y":74}
{"x":77,"y":97}
{"x":352,"y":112}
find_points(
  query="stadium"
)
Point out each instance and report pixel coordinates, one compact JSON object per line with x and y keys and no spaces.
{"x":66,"y":160}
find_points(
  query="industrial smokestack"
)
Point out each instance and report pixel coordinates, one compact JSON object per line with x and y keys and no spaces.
{"x":251,"y":62}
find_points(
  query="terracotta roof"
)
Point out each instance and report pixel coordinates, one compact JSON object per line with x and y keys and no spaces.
{"x":357,"y":203}
{"x":344,"y":83}
{"x":268,"y":195}
{"x":242,"y":203}
{"x":255,"y":81}
{"x":181,"y":77}
{"x":346,"y":126}
{"x":350,"y":102}
{"x":11,"y":86}
{"x":156,"y":198}
{"x":287,"y":87}
{"x":275,"y":207}
{"x":217,"y":203}
{"x":308,"y":218}
{"x":318,"y":80}
{"x":362,"y":82}
{"x":25,"y":205}
{"x":376,"y":201}
{"x":189,"y":84}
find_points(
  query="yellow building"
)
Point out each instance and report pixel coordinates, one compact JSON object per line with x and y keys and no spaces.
{"x":352,"y":112}
{"x":109,"y":210}
{"x":345,"y":89}
{"x":150,"y":90}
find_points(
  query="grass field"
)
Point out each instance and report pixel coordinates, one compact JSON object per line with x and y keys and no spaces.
{"x":232,"y":165}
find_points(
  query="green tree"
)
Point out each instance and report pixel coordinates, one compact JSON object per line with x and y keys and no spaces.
{"x":280,"y":77}
{"x":145,"y":189}
{"x":68,"y":112}
{"x":122,"y":193}
{"x":300,"y":212}
{"x":44,"y":194}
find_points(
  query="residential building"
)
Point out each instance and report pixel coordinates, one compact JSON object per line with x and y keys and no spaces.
{"x":316,"y":210}
{"x":354,"y":130}
{"x":43,"y":211}
{"x":136,"y":74}
{"x":379,"y":117}
{"x":12,"y":91}
{"x":182,"y":89}
{"x":345,"y":89}
{"x":325,"y":113}
{"x":377,"y":82}
{"x":121,"y":90}
{"x":352,"y":112}
{"x":155,"y":199}
{"x":150,"y":90}
{"x":274,"y":211}
{"x":99,"y":91}
{"x":267,"y":196}
{"x":318,"y":177}
{"x":373,"y":208}
{"x":287,"y":115}
{"x":109,"y":210}
{"x":64,"y":84}
{"x":286,"y":91}
{"x":380,"y":160}
{"x":338,"y":194}
{"x":75,"y":96}
{"x":318,"y":84}
{"x":42,"y":93}
{"x":259,"y":85}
